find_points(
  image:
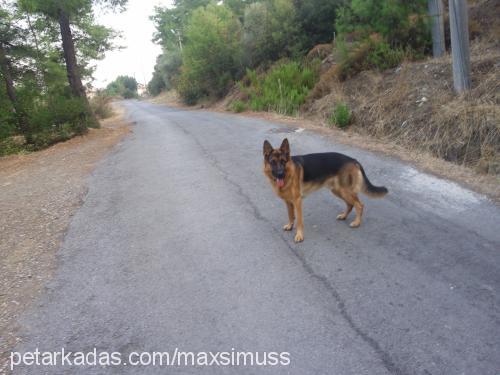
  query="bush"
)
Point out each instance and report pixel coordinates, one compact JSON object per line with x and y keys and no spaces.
{"x":101,"y":106}
{"x":238,"y":106}
{"x":401,"y":23}
{"x":382,"y":57}
{"x":341,"y":116}
{"x":10,"y":146}
{"x":283,"y":89}
{"x":48,"y":137}
{"x":370,"y":53}
{"x":188,"y":90}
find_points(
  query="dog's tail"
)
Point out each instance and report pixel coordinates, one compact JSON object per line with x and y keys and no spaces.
{"x":371,"y":190}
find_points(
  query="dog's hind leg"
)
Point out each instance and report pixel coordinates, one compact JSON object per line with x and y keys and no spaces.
{"x":291,"y":216}
{"x":343,"y":215}
{"x":359,"y":211}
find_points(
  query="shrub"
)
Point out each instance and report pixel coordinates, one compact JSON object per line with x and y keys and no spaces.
{"x":101,"y":106}
{"x":49,"y":137}
{"x":10,"y":146}
{"x":238,"y":106}
{"x":188,"y":90}
{"x":381,"y":56}
{"x":283,"y":89}
{"x":341,"y":116}
{"x":401,"y":23}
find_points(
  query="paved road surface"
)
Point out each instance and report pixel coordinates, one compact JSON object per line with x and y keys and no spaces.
{"x":179,"y":245}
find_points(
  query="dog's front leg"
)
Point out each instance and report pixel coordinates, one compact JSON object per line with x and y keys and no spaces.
{"x":299,"y":236}
{"x":291,"y":216}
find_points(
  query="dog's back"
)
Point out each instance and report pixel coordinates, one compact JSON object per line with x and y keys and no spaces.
{"x":321,"y":166}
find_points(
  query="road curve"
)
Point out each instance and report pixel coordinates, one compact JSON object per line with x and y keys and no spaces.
{"x":179,"y":245}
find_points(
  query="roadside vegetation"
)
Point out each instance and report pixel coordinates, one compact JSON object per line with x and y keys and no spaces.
{"x":359,"y":65}
{"x":46,"y":49}
{"x":123,"y":87}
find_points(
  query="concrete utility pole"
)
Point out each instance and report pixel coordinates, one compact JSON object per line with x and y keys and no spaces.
{"x":459,"y":28}
{"x":436,"y":13}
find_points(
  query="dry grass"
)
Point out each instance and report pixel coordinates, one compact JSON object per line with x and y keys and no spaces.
{"x":415,"y":107}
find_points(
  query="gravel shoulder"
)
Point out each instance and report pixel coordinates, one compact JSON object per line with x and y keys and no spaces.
{"x":39,"y":193}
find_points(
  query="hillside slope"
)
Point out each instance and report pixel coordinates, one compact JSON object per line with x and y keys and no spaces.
{"x":414,"y":105}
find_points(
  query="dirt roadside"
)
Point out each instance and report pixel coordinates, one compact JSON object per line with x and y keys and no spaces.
{"x":488,"y":185}
{"x":39,"y":193}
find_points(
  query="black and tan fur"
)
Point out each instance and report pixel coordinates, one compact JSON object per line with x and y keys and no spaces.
{"x":294,"y":177}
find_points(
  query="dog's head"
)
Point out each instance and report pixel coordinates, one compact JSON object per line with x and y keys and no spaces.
{"x":275,"y":161}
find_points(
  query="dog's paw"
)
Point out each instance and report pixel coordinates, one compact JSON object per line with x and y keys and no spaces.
{"x":299,"y":237}
{"x":288,"y":227}
{"x":342,"y":216}
{"x":355,"y":224}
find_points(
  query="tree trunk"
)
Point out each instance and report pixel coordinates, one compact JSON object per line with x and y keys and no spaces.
{"x":459,"y":30}
{"x":436,"y":14}
{"x":6,"y":69}
{"x":75,"y":82}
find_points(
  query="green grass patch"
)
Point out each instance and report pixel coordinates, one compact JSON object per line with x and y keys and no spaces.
{"x":341,"y":116}
{"x":283,"y":89}
{"x":238,"y":106}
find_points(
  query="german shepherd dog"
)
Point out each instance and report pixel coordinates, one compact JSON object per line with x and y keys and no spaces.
{"x":294,"y":177}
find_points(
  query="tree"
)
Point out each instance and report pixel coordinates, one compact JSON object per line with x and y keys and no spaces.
{"x":170,"y":22}
{"x":166,"y":71}
{"x":212,"y":53}
{"x":123,"y":86}
{"x":317,"y":20}
{"x":10,"y":40}
{"x":63,"y":11}
{"x":270,"y":31}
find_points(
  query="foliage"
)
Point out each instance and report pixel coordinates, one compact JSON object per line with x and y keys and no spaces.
{"x":123,"y":86}
{"x":30,"y":38}
{"x":270,"y":32}
{"x":382,"y":56}
{"x":283,"y":89}
{"x":317,"y":20}
{"x":341,"y":116}
{"x":101,"y":105}
{"x":7,"y":119}
{"x":212,"y":56}
{"x":11,"y":145}
{"x":170,"y":22}
{"x":166,"y":72}
{"x":401,"y":23}
{"x":238,"y":106}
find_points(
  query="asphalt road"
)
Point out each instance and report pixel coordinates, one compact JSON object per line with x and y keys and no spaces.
{"x":179,"y":245}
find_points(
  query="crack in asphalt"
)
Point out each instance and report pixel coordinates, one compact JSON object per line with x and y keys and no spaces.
{"x":384,"y":356}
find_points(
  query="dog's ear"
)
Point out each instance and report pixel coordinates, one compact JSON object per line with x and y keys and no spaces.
{"x":267,"y":148}
{"x":285,"y":148}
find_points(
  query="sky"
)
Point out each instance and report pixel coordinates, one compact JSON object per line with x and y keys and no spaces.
{"x":138,"y":57}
